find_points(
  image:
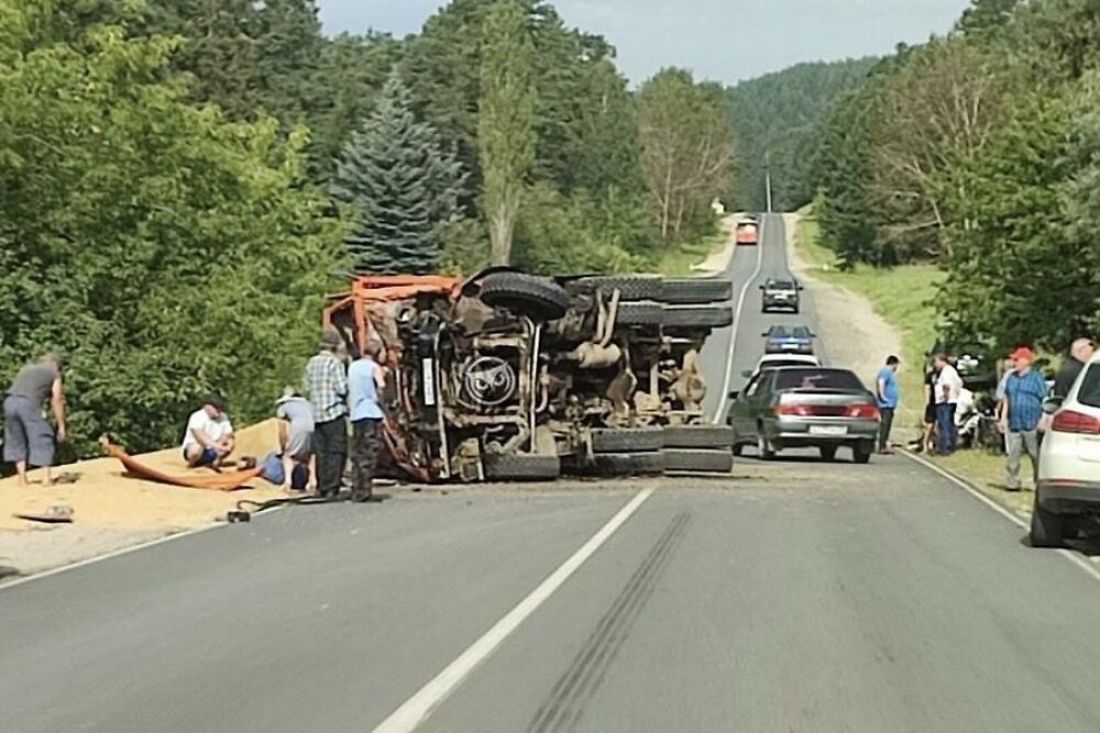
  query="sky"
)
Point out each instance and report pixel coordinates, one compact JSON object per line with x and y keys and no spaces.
{"x":722,"y":40}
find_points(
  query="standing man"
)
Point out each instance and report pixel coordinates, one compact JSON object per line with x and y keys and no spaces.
{"x":28,"y":438}
{"x":208,"y":438}
{"x":1079,"y":354}
{"x":947,"y":388}
{"x":886,"y":395}
{"x":327,"y":384}
{"x":1025,"y":390}
{"x":366,"y":380}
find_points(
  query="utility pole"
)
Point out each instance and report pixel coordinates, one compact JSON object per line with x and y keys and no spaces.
{"x":768,"y":179}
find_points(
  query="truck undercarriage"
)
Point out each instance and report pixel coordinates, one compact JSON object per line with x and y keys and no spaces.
{"x":508,"y":376}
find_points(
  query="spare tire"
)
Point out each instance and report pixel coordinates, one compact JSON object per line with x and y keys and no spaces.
{"x":630,"y":287}
{"x":705,"y":316}
{"x":640,"y":314}
{"x":703,"y":461}
{"x":699,"y":436}
{"x":691,"y":291}
{"x":626,"y":440}
{"x":537,"y":297}
{"x":521,"y":467}
{"x":628,"y":464}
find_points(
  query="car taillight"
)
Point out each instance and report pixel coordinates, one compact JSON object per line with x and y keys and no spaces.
{"x":795,"y":410}
{"x":1071,"y":421}
{"x":863,"y":412}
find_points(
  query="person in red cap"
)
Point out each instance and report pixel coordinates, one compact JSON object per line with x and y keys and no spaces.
{"x":1024,"y":392}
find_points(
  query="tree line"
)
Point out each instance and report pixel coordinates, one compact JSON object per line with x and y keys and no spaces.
{"x":979,"y":151}
{"x":183,"y":180}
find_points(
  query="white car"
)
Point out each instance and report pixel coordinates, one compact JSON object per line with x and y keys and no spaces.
{"x":1069,"y":463}
{"x":775,"y":361}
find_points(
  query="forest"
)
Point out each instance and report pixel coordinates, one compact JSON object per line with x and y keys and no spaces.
{"x":979,"y":152}
{"x":184,"y":180}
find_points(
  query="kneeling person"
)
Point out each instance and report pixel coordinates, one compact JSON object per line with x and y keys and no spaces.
{"x":209,"y":439}
{"x":295,"y":416}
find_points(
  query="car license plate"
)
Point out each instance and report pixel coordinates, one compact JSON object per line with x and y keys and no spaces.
{"x":831,"y":430}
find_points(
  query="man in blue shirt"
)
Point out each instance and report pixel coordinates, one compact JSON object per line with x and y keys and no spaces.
{"x":1024,"y":392}
{"x":887,"y":395}
{"x":366,"y":380}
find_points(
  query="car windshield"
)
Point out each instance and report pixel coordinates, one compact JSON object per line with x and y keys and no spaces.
{"x":1089,"y":393}
{"x":781,"y":285}
{"x":810,"y":378}
{"x":777,"y":332}
{"x":802,"y":333}
{"x":780,"y":363}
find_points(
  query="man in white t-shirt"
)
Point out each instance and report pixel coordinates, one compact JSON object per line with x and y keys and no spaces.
{"x":948,"y":386}
{"x":208,"y":438}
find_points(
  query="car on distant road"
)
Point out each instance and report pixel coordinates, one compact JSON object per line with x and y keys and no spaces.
{"x":1068,"y":490}
{"x":975,"y":365}
{"x":805,"y":407}
{"x":779,"y":294}
{"x":748,"y":232}
{"x":788,"y":340}
{"x":775,"y":361}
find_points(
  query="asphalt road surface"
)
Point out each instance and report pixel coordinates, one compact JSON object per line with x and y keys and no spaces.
{"x":793,"y":596}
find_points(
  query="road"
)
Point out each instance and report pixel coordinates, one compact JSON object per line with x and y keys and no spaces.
{"x":799,"y":596}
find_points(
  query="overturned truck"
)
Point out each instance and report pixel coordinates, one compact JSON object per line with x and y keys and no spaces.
{"x":508,"y":376}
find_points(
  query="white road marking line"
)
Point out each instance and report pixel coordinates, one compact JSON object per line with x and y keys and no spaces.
{"x":1067,"y":554}
{"x":417,"y":708}
{"x":720,"y":413}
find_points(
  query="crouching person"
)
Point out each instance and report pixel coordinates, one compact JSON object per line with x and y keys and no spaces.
{"x":295,"y":415}
{"x":208,"y":439}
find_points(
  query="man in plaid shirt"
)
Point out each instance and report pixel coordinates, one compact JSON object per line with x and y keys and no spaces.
{"x":1024,"y":392}
{"x":326,"y":385}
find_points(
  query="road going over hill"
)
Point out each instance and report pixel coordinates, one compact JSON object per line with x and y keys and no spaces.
{"x":793,"y":596}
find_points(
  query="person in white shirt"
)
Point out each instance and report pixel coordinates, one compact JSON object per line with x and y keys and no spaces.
{"x":948,"y":386}
{"x":208,"y":439}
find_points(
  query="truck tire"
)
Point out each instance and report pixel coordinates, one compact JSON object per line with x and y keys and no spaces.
{"x":698,"y":290}
{"x":628,"y":464}
{"x":702,"y":461}
{"x":630,"y":287}
{"x":643,"y":313}
{"x":626,"y":440}
{"x":699,"y":436}
{"x":1047,"y":528}
{"x":521,"y":467}
{"x":706,"y":316}
{"x":538,"y":297}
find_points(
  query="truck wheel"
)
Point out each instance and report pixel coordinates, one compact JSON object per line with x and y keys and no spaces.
{"x":640,"y":314}
{"x":626,"y":440}
{"x":697,"y":290}
{"x":861,"y":453}
{"x":706,"y":316}
{"x":628,"y":464}
{"x":538,"y":297}
{"x":1047,"y":528}
{"x":521,"y":467}
{"x":703,"y":461}
{"x":630,"y":287}
{"x":699,"y":436}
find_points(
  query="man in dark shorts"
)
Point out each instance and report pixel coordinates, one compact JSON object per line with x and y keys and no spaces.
{"x":28,"y":438}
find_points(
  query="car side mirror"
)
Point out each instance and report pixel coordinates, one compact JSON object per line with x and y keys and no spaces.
{"x":800,"y":287}
{"x":1052,"y":404}
{"x":764,"y":335}
{"x":734,"y":395}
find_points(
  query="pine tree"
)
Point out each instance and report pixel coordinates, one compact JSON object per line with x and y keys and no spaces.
{"x":401,"y":185}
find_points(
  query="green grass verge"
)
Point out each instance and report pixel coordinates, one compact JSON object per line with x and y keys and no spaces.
{"x":677,"y":260}
{"x":901,"y":295}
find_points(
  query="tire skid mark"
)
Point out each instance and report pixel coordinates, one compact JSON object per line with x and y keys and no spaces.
{"x":585,"y":674}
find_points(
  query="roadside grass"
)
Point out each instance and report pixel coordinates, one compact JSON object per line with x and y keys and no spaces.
{"x":677,"y":260}
{"x":902,"y":296}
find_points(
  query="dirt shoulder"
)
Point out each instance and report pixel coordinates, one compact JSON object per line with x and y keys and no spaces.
{"x":855,"y":335}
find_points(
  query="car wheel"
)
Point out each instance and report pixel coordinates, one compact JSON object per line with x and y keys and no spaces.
{"x":737,"y":449}
{"x":1047,"y":528}
{"x":764,"y":446}
{"x":862,"y":452}
{"x":828,"y":452}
